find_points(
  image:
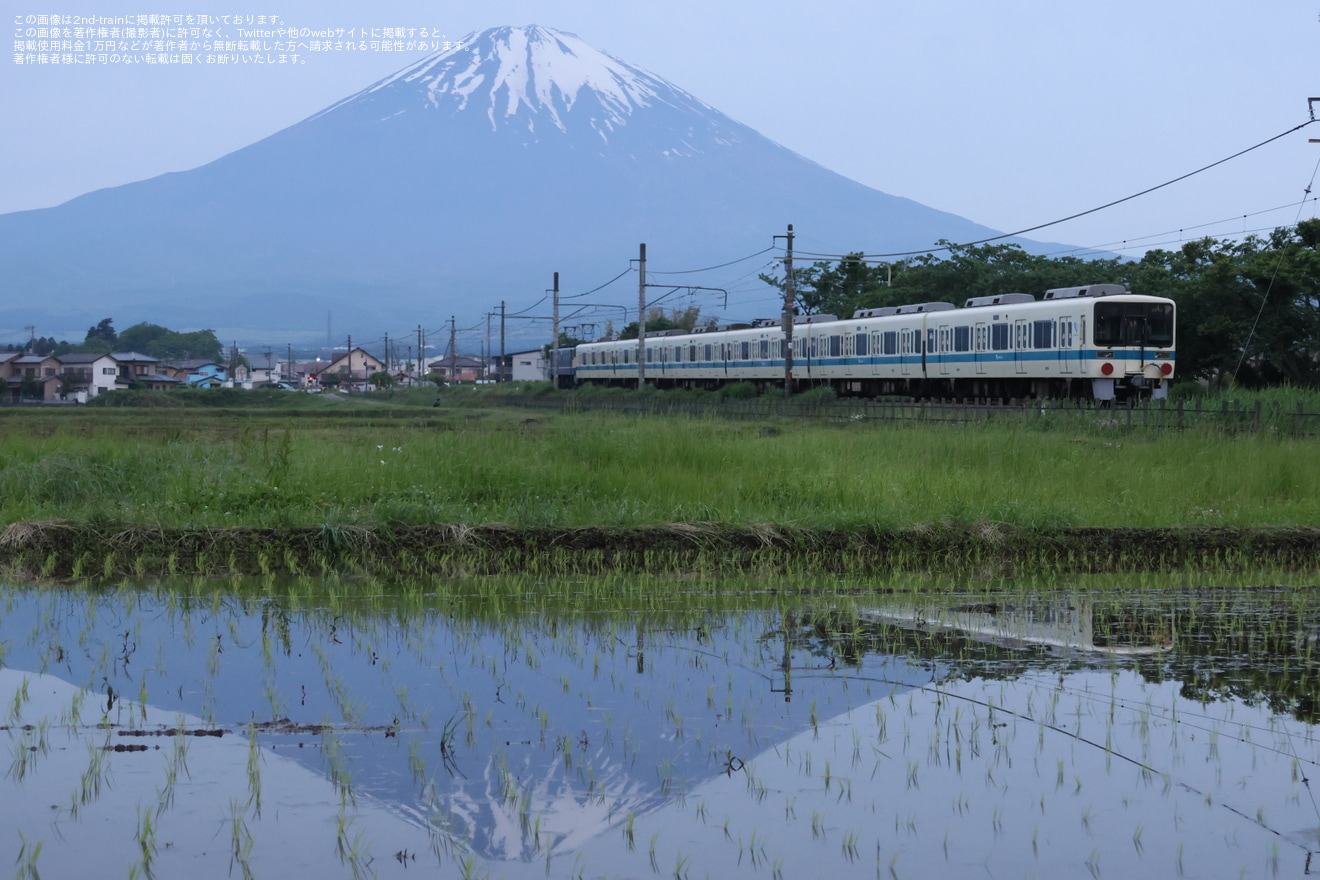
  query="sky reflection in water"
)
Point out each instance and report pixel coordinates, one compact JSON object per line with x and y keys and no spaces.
{"x":1071,"y":735}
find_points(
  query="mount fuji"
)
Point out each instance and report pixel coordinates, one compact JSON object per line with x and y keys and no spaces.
{"x":464,"y":179}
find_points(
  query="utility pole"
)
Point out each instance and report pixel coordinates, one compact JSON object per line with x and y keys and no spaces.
{"x":641,"y":318}
{"x":789,"y":296}
{"x":421,"y":356}
{"x":387,"y":352}
{"x":453,"y":352}
{"x":554,"y":344}
{"x":288,"y":365}
{"x":350,"y":357}
{"x":501,"y":377}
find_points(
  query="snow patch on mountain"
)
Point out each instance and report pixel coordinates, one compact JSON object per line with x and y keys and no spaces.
{"x":510,"y":73}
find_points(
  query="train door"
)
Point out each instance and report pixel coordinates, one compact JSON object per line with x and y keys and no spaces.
{"x":944,"y":339}
{"x":905,"y":353}
{"x":1021,"y":344}
{"x":1067,"y":345}
{"x":980,"y":344}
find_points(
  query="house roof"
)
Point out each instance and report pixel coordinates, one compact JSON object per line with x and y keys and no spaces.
{"x":195,"y":364}
{"x":133,"y":357}
{"x":81,"y":358}
{"x":460,"y":361}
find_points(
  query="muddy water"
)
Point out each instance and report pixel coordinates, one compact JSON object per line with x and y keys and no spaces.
{"x":1055,"y":733}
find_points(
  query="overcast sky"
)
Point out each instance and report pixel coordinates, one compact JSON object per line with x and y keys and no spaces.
{"x":1012,"y":114}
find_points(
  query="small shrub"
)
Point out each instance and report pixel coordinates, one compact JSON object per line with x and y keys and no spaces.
{"x":738,"y":391}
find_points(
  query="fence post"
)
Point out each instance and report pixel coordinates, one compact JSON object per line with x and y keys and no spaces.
{"x":1257,"y":417}
{"x":1299,"y":420}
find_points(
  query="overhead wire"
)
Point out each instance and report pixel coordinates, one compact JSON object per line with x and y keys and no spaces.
{"x":1270,"y":286}
{"x":563,"y":297}
{"x":1002,"y":236}
{"x":709,"y":268}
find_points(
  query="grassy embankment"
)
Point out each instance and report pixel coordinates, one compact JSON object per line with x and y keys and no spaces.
{"x":307,"y":484}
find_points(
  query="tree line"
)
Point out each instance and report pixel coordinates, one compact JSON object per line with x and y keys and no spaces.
{"x":1248,"y":310}
{"x":149,"y":339}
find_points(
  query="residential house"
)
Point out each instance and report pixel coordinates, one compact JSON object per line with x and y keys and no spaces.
{"x":33,"y":377}
{"x":458,"y":369}
{"x":88,"y":375}
{"x":143,"y":370}
{"x":520,"y":366}
{"x":197,"y":372}
{"x":353,"y":367}
{"x":265,"y":368}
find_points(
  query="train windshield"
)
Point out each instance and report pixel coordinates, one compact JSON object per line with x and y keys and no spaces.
{"x":1134,"y":323}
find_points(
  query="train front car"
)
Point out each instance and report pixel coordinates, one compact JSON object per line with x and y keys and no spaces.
{"x":1131,"y":351}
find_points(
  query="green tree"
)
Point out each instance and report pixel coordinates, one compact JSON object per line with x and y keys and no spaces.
{"x":102,"y":335}
{"x":1248,"y":311}
{"x":658,"y":322}
{"x":834,"y":289}
{"x":161,"y":342}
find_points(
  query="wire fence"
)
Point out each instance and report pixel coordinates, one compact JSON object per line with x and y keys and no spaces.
{"x":1222,"y":415}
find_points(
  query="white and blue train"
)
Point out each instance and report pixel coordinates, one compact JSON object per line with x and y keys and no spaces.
{"x":1100,"y":342}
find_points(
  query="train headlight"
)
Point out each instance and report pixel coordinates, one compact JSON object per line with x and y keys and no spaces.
{"x":1107,"y":368}
{"x":1166,"y":368}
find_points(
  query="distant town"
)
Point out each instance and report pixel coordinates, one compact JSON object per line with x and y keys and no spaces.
{"x":47,"y":372}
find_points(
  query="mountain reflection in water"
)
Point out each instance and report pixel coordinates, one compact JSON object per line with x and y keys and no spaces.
{"x":528,"y":741}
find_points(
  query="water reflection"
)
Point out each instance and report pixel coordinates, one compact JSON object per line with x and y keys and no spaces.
{"x":1062,"y":734}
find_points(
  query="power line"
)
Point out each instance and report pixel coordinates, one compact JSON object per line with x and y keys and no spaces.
{"x":594,"y":289}
{"x":1103,"y":207}
{"x":713,"y":268}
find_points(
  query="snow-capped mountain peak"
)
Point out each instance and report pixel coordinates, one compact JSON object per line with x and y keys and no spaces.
{"x":517,"y":75}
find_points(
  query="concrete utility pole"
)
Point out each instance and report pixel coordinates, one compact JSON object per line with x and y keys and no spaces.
{"x":421,"y":356}
{"x":789,"y":296}
{"x":554,"y":345}
{"x":349,"y":355}
{"x":288,"y":366}
{"x":502,"y":376}
{"x":641,"y":318}
{"x":453,"y":351}
{"x":387,"y":352}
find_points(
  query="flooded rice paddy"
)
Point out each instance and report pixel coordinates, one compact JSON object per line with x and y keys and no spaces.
{"x":375,"y":730}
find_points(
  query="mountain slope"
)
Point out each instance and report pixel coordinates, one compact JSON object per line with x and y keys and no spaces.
{"x":460,"y":181}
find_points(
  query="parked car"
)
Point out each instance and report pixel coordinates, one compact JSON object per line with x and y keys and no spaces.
{"x":282,"y":386}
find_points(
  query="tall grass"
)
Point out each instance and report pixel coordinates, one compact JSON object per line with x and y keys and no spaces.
{"x":579,"y":470}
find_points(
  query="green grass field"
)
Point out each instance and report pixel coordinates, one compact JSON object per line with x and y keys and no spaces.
{"x":371,"y":463}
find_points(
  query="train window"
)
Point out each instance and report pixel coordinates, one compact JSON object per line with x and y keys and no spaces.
{"x":746,"y":351}
{"x":627,"y":355}
{"x":999,"y":337}
{"x":962,"y":338}
{"x":836,"y":346}
{"x":708,"y":357}
{"x":860,"y":346}
{"x":1043,"y":334}
{"x":1134,"y":324}
{"x":692,"y":352}
{"x":890,"y":339}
